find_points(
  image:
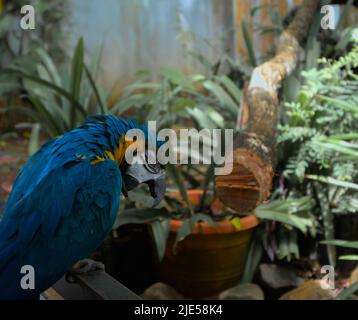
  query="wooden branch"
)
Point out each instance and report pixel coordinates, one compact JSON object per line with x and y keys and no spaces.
{"x":254,"y":155}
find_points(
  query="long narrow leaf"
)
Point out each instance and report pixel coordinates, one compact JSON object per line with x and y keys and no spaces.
{"x":34,"y":139}
{"x":160,"y":230}
{"x":50,"y":119}
{"x":59,"y":90}
{"x":328,"y":221}
{"x":332,"y":181}
{"x":50,"y":66}
{"x":175,"y":174}
{"x":342,"y":243}
{"x":346,"y":293}
{"x":76,"y":76}
{"x":289,"y":212}
{"x":351,"y":257}
{"x":95,"y":90}
{"x":253,"y":257}
{"x":248,"y":43}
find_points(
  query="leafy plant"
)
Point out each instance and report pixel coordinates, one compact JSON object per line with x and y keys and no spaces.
{"x":320,"y":142}
{"x":17,"y":45}
{"x":56,"y":101}
{"x":189,"y":101}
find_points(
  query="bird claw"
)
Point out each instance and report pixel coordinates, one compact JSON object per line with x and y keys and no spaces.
{"x":87,"y":266}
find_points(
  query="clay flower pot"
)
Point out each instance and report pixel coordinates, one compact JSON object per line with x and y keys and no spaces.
{"x":209,"y":260}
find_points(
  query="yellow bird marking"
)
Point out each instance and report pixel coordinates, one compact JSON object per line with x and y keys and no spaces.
{"x":119,"y":152}
{"x":97,"y":160}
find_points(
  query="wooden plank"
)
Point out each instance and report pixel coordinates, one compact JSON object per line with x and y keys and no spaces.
{"x":106,"y":287}
{"x":94,"y":286}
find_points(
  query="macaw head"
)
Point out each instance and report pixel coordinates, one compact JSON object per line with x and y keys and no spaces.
{"x":136,"y":169}
{"x":141,"y":171}
{"x":142,"y":166}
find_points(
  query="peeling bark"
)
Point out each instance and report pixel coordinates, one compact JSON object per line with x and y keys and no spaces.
{"x":254,"y":157}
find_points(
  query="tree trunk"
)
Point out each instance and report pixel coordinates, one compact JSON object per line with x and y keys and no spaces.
{"x":254,"y":152}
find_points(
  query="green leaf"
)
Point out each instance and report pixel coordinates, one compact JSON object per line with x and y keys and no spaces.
{"x":313,"y":51}
{"x":137,"y":100}
{"x":175,"y":174}
{"x":332,"y":181}
{"x":209,"y":177}
{"x":201,"y":118}
{"x":95,"y":90}
{"x":50,"y":66}
{"x":236,"y":222}
{"x":86,"y":89}
{"x":57,"y":89}
{"x":160,"y":230}
{"x":349,"y":257}
{"x":293,"y":212}
{"x":346,"y":293}
{"x":215,"y":117}
{"x":5,"y":22}
{"x":48,"y":119}
{"x":150,"y":86}
{"x":175,"y":76}
{"x":201,"y":58}
{"x":288,"y":246}
{"x":291,"y":88}
{"x":253,"y":257}
{"x":181,"y":104}
{"x":225,"y":100}
{"x":231,"y":87}
{"x":340,"y":103}
{"x":186,"y":228}
{"x":34,"y":139}
{"x":342,"y":243}
{"x":144,"y":215}
{"x":328,"y":221}
{"x":338,"y":146}
{"x":248,"y":43}
{"x":76,"y":76}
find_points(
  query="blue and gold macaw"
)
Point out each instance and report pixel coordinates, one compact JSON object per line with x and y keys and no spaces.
{"x":65,"y":201}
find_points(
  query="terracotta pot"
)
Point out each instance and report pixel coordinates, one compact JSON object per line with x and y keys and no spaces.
{"x":209,"y":260}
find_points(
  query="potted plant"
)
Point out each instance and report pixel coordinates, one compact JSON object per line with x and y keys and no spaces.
{"x":211,"y":257}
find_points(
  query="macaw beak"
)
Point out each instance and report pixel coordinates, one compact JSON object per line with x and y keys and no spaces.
{"x":157,"y":188}
{"x":137,"y":174}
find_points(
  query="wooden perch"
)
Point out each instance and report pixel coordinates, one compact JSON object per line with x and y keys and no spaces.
{"x":254,"y":152}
